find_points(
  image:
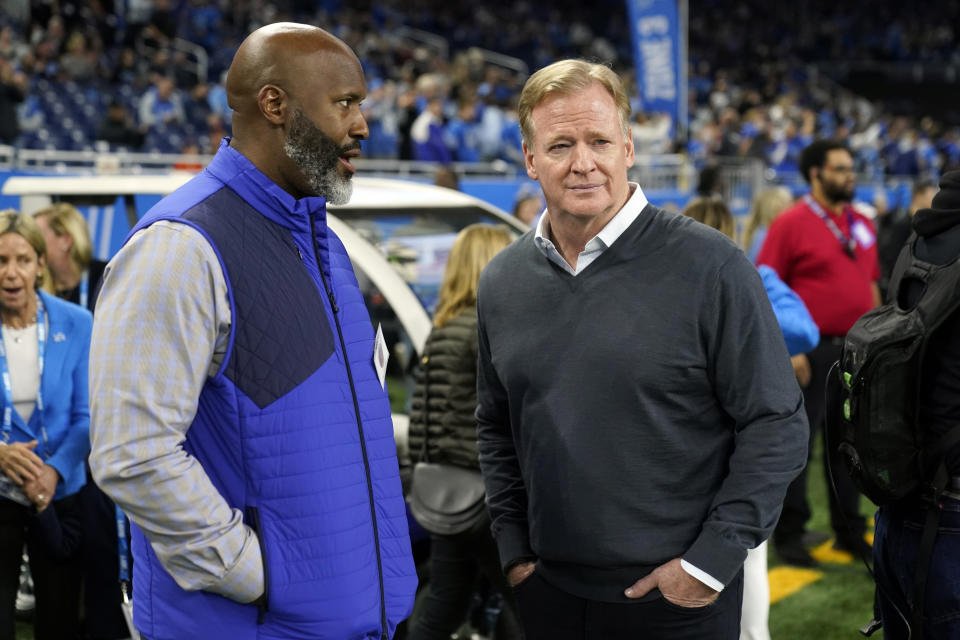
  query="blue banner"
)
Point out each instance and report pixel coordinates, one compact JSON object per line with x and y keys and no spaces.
{"x":658,"y":33}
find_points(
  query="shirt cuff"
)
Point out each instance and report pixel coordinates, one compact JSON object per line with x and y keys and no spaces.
{"x":702,"y":576}
{"x":243,"y":582}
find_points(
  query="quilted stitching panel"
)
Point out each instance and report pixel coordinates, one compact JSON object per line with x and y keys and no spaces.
{"x":282,"y":334}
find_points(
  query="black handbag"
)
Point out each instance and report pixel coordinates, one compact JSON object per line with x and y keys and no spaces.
{"x":444,"y":499}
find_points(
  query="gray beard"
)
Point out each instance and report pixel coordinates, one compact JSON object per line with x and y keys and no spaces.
{"x":317,"y":155}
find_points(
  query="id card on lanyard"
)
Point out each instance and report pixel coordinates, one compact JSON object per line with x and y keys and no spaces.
{"x":8,"y":389}
{"x":849,"y":243}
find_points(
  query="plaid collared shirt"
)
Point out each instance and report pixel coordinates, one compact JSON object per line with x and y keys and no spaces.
{"x":161,"y":329}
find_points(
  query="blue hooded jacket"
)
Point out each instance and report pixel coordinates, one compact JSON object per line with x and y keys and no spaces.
{"x":294,"y":429}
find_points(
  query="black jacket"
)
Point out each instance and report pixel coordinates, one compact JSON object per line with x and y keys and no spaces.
{"x":450,"y":360}
{"x":939,"y":243}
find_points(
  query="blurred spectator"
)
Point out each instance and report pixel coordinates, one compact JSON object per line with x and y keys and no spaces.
{"x":48,"y":440}
{"x":162,"y":103}
{"x":825,"y":251}
{"x":528,"y":207}
{"x":462,"y":133}
{"x":128,"y":70}
{"x":203,"y":23}
{"x":78,"y":63}
{"x":163,"y":22}
{"x":767,"y":205}
{"x":893,"y":229}
{"x":709,"y":183}
{"x":118,"y":129}
{"x":217,"y":99}
{"x":11,"y":47}
{"x":216,"y":132}
{"x":427,"y":134}
{"x":651,"y":134}
{"x":770,"y":112}
{"x":76,"y":274}
{"x":490,"y":127}
{"x":442,"y":430}
{"x":511,"y":140}
{"x":13,"y":90}
{"x":381,"y":112}
{"x":446,"y":177}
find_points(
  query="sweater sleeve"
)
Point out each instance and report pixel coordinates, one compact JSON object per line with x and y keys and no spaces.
{"x":754,"y":383}
{"x":506,"y":492}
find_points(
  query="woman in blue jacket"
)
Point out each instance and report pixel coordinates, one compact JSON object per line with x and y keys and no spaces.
{"x":45,"y":428}
{"x":801,"y":335}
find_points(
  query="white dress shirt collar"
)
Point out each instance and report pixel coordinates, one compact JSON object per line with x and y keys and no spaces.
{"x":600,"y":242}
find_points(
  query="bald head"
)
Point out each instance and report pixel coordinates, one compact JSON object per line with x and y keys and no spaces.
{"x":277,"y":54}
{"x":295,"y":91}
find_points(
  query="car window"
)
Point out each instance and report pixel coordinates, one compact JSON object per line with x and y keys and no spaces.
{"x":417,"y":242}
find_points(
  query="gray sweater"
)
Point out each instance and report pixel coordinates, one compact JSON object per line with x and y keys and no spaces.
{"x":643,"y":410}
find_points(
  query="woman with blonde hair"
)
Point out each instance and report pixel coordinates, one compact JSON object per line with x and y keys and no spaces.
{"x":76,"y":278}
{"x":45,"y":436}
{"x":801,"y":335}
{"x":441,"y":420}
{"x":767,"y":205}
{"x":76,"y":275}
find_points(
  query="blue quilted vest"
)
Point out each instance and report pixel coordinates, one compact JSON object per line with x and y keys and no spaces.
{"x":294,"y":430}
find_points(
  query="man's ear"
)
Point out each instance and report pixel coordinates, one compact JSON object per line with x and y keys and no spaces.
{"x":273,"y":104}
{"x":528,"y":161}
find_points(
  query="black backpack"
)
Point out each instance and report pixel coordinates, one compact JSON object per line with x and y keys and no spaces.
{"x":875,"y":397}
{"x":880,"y":378}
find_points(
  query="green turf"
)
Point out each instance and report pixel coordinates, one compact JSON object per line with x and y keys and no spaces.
{"x":832,"y":608}
{"x":839,"y":603}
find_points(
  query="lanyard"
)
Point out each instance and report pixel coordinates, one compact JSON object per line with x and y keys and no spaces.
{"x":848,"y":243}
{"x":8,"y":389}
{"x":123,"y":548}
{"x":84,"y":288}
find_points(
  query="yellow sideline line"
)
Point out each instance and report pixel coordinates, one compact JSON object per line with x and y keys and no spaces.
{"x":786,"y":581}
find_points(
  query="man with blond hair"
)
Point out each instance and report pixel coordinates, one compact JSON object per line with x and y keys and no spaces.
{"x":638,"y":417}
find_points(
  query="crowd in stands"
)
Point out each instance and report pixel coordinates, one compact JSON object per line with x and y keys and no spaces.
{"x":88,"y":75}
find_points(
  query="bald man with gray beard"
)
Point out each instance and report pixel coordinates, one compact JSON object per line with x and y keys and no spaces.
{"x":240,"y":422}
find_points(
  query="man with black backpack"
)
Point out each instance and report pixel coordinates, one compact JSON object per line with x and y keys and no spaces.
{"x":897,"y":409}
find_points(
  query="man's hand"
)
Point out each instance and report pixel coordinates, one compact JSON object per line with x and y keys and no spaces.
{"x":519,"y":573}
{"x":676,"y":585}
{"x":801,"y":369}
{"x":19,"y":462}
{"x":41,"y":489}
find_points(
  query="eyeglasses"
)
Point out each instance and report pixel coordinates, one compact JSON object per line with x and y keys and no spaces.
{"x":841,"y":169}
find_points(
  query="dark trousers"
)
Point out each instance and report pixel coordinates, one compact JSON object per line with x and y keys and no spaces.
{"x":103,"y":618}
{"x":547,"y":613}
{"x":455,"y":564}
{"x":897,"y":540}
{"x":845,"y":518}
{"x":56,"y":583}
